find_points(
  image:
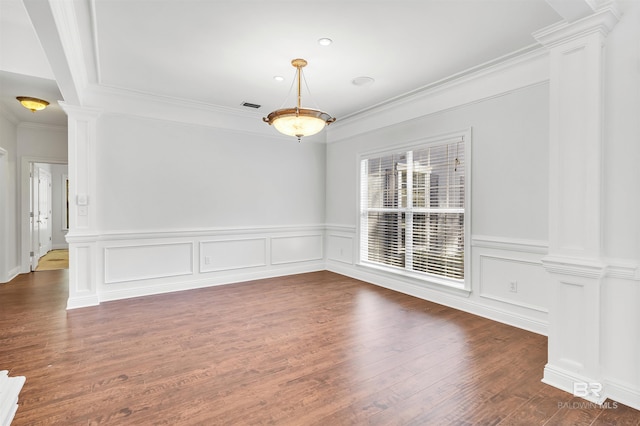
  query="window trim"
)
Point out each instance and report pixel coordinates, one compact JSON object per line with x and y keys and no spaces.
{"x":429,"y":280}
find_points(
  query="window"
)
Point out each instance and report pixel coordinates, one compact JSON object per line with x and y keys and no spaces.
{"x":412,"y":211}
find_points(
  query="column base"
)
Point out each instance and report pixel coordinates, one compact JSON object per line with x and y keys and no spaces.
{"x":584,"y":387}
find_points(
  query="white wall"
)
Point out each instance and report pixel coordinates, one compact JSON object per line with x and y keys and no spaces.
{"x":509,"y":149}
{"x":38,"y":141}
{"x":159,"y":175}
{"x":9,"y":236}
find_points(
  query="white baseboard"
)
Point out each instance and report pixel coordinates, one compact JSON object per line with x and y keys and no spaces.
{"x":564,"y":380}
{"x":622,"y":393}
{"x":13,"y":273}
{"x":441,"y":297}
{"x":619,"y":392}
{"x":82,"y":301}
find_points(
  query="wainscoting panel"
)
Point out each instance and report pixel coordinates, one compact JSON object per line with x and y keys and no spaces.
{"x":232,"y":254}
{"x":495,"y":263}
{"x":572,"y":293}
{"x":299,"y":248}
{"x":508,"y":275}
{"x":141,"y":262}
{"x":82,"y":275}
{"x":144,"y":263}
{"x":515,"y":281}
{"x":82,"y":254}
{"x":340,"y":248}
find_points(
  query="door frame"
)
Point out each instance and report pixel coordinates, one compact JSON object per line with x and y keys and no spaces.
{"x":26,"y":164}
{"x":4,"y":225}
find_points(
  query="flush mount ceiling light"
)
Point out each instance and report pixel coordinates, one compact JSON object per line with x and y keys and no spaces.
{"x":298,"y":121}
{"x":33,"y":104}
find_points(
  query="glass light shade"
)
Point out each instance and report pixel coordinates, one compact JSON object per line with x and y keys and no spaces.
{"x":299,"y":122}
{"x":33,"y":104}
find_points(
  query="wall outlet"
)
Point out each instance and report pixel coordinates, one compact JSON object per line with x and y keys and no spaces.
{"x":513,"y":286}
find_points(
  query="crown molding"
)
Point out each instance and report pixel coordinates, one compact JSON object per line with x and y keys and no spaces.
{"x":523,"y":68}
{"x":111,"y":95}
{"x":125,"y":102}
{"x":455,"y":79}
{"x":41,"y":126}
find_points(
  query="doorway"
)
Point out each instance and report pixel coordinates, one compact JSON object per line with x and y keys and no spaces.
{"x":45,"y":210}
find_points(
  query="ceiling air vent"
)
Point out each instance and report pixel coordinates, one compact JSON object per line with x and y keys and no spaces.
{"x":250,"y":105}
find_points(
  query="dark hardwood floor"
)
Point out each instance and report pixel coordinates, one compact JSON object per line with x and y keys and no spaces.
{"x":308,"y":349}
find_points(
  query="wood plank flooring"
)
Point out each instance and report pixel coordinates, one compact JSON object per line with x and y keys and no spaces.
{"x":310,"y":349}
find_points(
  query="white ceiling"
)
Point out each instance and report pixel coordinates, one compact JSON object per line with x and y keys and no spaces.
{"x":225,"y":52}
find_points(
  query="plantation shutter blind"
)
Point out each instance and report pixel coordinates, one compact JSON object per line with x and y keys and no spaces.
{"x":412,"y":209}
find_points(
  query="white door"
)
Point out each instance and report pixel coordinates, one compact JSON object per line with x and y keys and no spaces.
{"x":33,"y":216}
{"x":43,"y":212}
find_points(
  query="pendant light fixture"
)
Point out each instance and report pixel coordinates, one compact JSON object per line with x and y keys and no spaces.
{"x":33,"y":104}
{"x":298,"y":121}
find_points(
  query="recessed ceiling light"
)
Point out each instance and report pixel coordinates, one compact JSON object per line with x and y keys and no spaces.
{"x":324,"y":41}
{"x":278,"y":78}
{"x":362,"y":81}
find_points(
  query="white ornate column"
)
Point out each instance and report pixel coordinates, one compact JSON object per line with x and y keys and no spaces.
{"x":83,"y":233}
{"x":575,"y":258}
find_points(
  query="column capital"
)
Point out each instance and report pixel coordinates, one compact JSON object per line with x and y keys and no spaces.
{"x":601,"y":22}
{"x":80,"y":112}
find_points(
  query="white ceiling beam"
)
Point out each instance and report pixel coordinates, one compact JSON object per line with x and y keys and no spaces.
{"x":57,"y":30}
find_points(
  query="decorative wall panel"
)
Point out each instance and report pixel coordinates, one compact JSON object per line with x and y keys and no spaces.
{"x":140,"y":262}
{"x":232,"y":254}
{"x":292,"y":249}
